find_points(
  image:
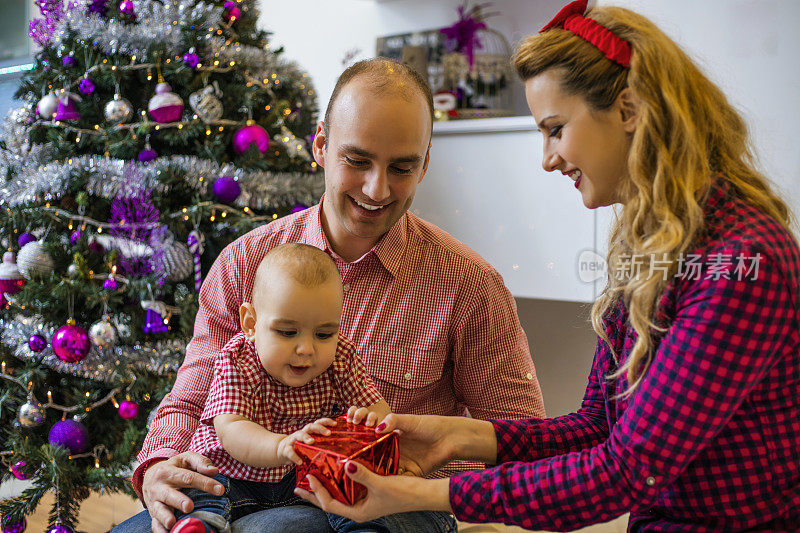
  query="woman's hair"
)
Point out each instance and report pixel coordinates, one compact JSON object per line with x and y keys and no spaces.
{"x":687,"y":133}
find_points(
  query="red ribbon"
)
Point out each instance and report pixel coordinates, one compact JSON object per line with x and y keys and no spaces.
{"x":571,"y":19}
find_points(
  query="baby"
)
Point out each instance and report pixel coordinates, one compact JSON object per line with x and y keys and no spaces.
{"x":280,"y":380}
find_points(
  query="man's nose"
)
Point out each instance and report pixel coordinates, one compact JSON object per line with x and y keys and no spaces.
{"x":376,"y":186}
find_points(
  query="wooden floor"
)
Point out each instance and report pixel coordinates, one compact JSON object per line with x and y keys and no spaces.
{"x":98,"y":513}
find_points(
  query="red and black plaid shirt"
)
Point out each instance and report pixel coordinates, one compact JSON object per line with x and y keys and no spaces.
{"x":242,"y":387}
{"x":709,"y":442}
{"x":433,"y":322}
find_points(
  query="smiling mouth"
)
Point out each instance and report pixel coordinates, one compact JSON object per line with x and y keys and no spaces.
{"x":368,"y":207}
{"x":576,"y":175}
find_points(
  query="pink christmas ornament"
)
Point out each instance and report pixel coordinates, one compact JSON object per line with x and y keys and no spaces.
{"x":71,"y":343}
{"x":252,"y":134}
{"x":20,"y":470}
{"x":128,"y":409}
{"x":126,"y":6}
{"x":11,"y":281}
{"x":233,"y":14}
{"x":165,"y":106}
{"x":66,"y":107}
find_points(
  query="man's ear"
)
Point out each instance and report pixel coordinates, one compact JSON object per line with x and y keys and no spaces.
{"x":247,"y":319}
{"x":318,"y":146}
{"x":628,"y":105}
{"x":425,"y":163}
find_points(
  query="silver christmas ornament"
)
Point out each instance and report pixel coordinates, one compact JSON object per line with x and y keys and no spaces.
{"x":73,"y":271}
{"x":206,"y":103}
{"x":118,"y":110}
{"x":33,"y":260}
{"x":31,"y":413}
{"x":48,"y":105}
{"x":177,"y":261}
{"x":103,"y":334}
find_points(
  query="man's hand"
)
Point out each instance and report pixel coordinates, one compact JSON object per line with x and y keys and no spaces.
{"x":163,"y":481}
{"x":286,"y":451}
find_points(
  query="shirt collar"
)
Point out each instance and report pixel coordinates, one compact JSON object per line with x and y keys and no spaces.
{"x":389,"y":249}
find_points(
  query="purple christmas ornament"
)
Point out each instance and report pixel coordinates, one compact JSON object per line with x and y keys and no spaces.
{"x":126,"y":6}
{"x":86,"y":85}
{"x":110,"y":284}
{"x":96,"y":248}
{"x":71,"y":343}
{"x":154,"y":322}
{"x":60,"y":528}
{"x":230,"y":4}
{"x":20,"y":470}
{"x":97,"y":6}
{"x":69,"y":61}
{"x":227,"y":189}
{"x":25,"y":238}
{"x":148,"y":154}
{"x":8,"y":525}
{"x":299,"y":207}
{"x":191,"y":59}
{"x":37,"y":343}
{"x":128,"y":409}
{"x":75,"y":237}
{"x":69,"y":434}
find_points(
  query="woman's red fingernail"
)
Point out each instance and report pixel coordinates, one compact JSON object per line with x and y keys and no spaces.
{"x":351,"y":467}
{"x":381,"y":427}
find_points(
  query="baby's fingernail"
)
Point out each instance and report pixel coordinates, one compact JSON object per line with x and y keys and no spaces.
{"x":351,"y":467}
{"x":381,"y":427}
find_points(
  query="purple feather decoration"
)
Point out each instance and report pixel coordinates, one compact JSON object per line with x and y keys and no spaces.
{"x":42,"y":29}
{"x":135,"y":222}
{"x":463,"y":35}
{"x":97,"y":6}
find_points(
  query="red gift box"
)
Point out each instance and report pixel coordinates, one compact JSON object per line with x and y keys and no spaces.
{"x":326,"y":457}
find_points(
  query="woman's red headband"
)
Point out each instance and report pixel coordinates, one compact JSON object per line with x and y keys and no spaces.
{"x":571,"y":19}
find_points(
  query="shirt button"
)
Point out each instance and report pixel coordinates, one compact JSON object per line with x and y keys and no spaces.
{"x":346,"y":287}
{"x":529,"y":375}
{"x":650,"y":481}
{"x":407,"y":376}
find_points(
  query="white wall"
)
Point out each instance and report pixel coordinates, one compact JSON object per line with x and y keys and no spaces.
{"x":749,"y":47}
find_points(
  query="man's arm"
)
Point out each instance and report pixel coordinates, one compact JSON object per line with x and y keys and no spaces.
{"x":493,"y":373}
{"x":179,"y":413}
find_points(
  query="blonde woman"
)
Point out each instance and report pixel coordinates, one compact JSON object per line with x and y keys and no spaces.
{"x":691,"y":418}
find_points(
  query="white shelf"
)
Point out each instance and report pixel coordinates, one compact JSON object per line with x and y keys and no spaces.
{"x":484,"y":125}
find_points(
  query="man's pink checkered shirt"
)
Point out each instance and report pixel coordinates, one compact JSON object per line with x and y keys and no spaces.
{"x":433,"y":322}
{"x":242,"y":387}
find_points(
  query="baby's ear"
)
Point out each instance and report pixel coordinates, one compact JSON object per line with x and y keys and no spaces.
{"x":247,"y":320}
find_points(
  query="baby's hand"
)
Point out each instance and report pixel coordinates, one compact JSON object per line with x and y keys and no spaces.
{"x":286,"y":445}
{"x":362,"y":415}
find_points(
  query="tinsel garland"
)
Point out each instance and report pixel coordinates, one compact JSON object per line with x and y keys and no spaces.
{"x":155,"y":25}
{"x":108,"y":179}
{"x":109,"y":365}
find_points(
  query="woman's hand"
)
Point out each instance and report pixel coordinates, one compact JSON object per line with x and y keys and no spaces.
{"x":385,"y":494}
{"x":428,"y":442}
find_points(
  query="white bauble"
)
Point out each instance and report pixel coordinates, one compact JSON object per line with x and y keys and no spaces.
{"x":33,"y":260}
{"x":48,"y":105}
{"x":103,"y":333}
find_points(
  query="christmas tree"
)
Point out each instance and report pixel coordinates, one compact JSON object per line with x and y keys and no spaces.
{"x":154,"y":132}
